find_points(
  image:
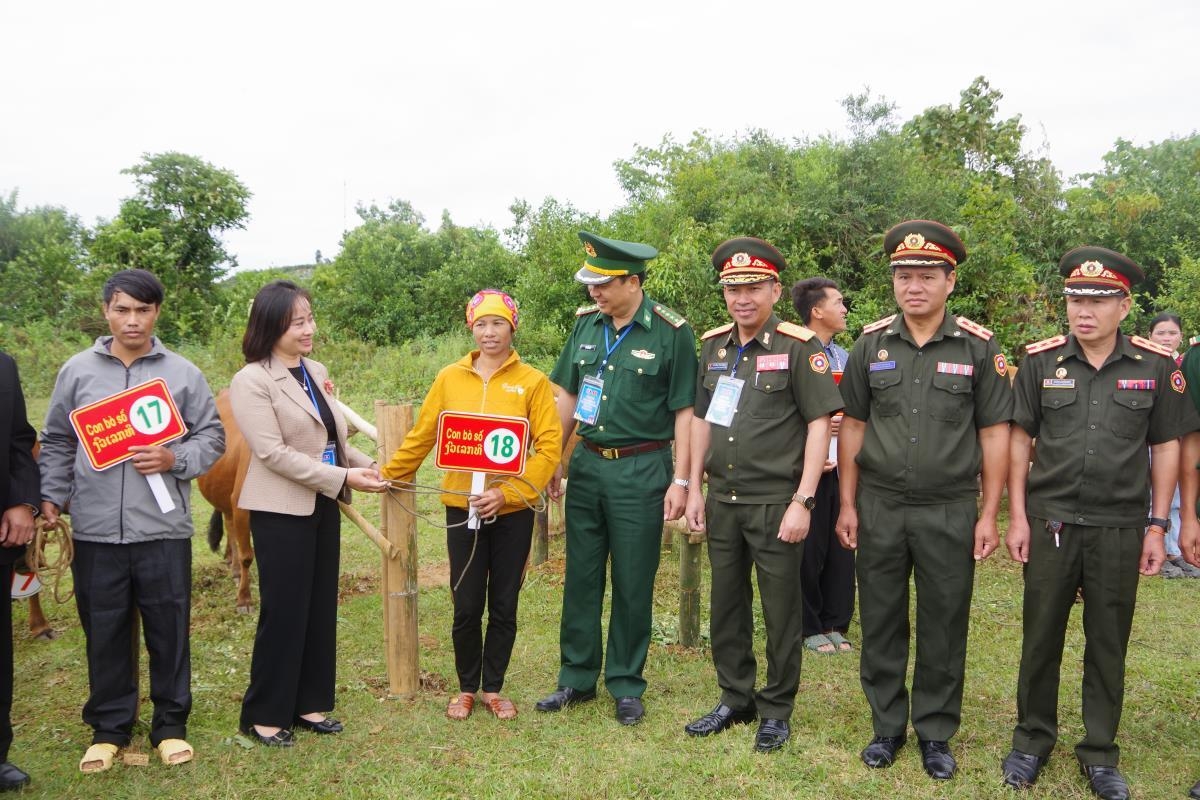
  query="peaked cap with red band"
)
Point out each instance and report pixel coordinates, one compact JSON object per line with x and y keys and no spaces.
{"x":924,"y":243}
{"x":1097,"y":272}
{"x":747,"y":260}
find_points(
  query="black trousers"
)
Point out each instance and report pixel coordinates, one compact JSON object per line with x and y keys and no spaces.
{"x":6,"y":661}
{"x":827,"y":572}
{"x":294,"y":666}
{"x":111,"y":580}
{"x":493,"y":573}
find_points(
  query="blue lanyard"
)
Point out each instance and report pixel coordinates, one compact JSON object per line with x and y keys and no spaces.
{"x":738,"y":359}
{"x":609,"y":348}
{"x":308,"y":388}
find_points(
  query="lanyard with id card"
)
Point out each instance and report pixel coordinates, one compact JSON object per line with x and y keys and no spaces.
{"x":329,"y":454}
{"x":725,"y":397}
{"x":591,"y":389}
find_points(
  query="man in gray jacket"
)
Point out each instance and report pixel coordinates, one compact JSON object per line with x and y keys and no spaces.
{"x":129,"y":553}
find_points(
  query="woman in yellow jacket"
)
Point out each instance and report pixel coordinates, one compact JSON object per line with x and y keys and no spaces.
{"x":488,"y":564}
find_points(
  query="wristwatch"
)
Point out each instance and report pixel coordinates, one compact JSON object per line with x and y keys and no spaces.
{"x":809,"y":503}
{"x":1165,"y":524}
{"x":684,"y":482}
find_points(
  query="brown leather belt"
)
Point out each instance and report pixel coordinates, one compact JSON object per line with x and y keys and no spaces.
{"x":625,"y":452}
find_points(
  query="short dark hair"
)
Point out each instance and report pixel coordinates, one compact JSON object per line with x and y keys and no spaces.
{"x":641,"y":276}
{"x":806,"y":294}
{"x":1165,"y":316}
{"x":270,"y":316}
{"x":141,"y":285}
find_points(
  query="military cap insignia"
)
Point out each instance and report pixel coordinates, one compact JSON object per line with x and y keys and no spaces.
{"x":1046,"y":344}
{"x":914,"y":241}
{"x":740,"y":259}
{"x":673,"y":318}
{"x":726,"y":328}
{"x":795,"y":331}
{"x":1091,"y":268}
{"x":1178,"y":383}
{"x":589,"y":249}
{"x":878,"y":324}
{"x":818,"y":363}
{"x":974,"y":327}
{"x":1153,"y":347}
{"x":1001,"y":364}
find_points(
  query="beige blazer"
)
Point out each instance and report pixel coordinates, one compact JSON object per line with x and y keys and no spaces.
{"x":286,"y":439}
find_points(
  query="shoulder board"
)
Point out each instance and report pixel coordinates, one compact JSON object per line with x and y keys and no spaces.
{"x":1195,"y":340}
{"x":583,"y":311}
{"x":795,"y":331}
{"x":673,"y":317}
{"x":717,"y":331}
{"x":878,"y":324}
{"x":1046,"y":344}
{"x":1153,"y":347}
{"x":974,"y":327}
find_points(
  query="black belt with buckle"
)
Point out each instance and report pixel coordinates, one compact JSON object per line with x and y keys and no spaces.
{"x":625,"y":452}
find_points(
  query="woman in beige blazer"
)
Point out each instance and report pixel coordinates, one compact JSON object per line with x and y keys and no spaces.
{"x":300,"y":466}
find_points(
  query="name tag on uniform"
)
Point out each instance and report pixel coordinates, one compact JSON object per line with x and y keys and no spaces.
{"x":587,"y":407}
{"x":951,"y":368}
{"x":771,"y":362}
{"x":718,"y":366}
{"x":1058,"y":383}
{"x":1148,"y":385}
{"x":329,"y":455}
{"x":879,"y":366}
{"x":724,"y":401}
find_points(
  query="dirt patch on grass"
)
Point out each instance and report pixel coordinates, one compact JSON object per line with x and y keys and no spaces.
{"x":351,"y":584}
{"x":431,"y":576}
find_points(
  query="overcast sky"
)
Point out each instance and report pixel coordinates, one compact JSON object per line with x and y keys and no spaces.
{"x":466,"y":106}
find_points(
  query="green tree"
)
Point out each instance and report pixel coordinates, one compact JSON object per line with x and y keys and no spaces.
{"x":41,"y":263}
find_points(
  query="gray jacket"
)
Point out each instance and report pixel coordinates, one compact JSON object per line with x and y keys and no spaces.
{"x":116,"y":505}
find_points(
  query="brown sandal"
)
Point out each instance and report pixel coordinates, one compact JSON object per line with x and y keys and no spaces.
{"x":501,"y":707}
{"x":460,"y":706}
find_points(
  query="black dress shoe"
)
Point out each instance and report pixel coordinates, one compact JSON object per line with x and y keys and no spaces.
{"x":1106,"y":782}
{"x":938,"y":760}
{"x":281,"y":738}
{"x":630,"y":710}
{"x":563,"y":697}
{"x":772,"y":735}
{"x":881,"y":752}
{"x":12,"y":777}
{"x":1021,"y":770}
{"x":327,"y":725}
{"x":719,"y":719}
{"x":1195,"y":792}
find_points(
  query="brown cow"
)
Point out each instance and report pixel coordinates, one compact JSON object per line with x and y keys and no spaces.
{"x":221,"y":487}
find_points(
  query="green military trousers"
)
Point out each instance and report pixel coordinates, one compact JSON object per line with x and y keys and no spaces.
{"x":613,"y":507}
{"x":742,"y":536}
{"x":1104,"y":561}
{"x":935,"y":543}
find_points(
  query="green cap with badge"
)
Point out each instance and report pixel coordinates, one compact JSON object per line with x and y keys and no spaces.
{"x":611,"y":258}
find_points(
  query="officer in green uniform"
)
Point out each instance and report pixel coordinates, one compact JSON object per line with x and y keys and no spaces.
{"x":761,"y":430}
{"x":928,"y":404}
{"x":1093,"y":400}
{"x":1189,"y":477}
{"x":627,"y":376}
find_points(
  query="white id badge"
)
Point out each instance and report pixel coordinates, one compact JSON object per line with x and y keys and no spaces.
{"x":724,"y":401}
{"x":587,"y":407}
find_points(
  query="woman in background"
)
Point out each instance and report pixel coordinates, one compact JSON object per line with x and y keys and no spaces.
{"x":1167,"y":329}
{"x":487,"y":564}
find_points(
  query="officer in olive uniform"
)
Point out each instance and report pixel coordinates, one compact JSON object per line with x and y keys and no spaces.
{"x":1093,"y":400}
{"x":1189,"y":477}
{"x":761,"y":430}
{"x":627,"y":376}
{"x":928,"y":404}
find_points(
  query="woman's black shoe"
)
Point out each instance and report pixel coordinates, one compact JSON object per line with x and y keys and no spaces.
{"x":327,"y":725}
{"x":282,"y":738}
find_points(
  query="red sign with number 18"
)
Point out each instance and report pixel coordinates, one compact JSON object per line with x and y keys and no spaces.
{"x":142,"y":416}
{"x":481,"y":443}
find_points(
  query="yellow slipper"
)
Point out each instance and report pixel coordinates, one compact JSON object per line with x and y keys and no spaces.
{"x":175,"y":751}
{"x":98,"y":757}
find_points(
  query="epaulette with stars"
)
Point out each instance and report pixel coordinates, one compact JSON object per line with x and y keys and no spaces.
{"x":971,"y":326}
{"x":673,"y":317}
{"x":1153,"y":347}
{"x":583,"y":311}
{"x":794,"y":331}
{"x":879,"y":323}
{"x":717,"y":331}
{"x":1195,"y":340}
{"x":1046,"y":344}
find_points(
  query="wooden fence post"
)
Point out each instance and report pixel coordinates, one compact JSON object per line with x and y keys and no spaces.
{"x":690,"y":548}
{"x":541,"y":537}
{"x":399,"y":574}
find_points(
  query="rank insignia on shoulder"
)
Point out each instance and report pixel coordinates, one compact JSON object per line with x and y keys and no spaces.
{"x":673,"y":317}
{"x":879,"y":324}
{"x":585,"y":310}
{"x":1046,"y":344}
{"x":1195,"y":340}
{"x":795,"y":331}
{"x":717,"y":331}
{"x":1178,"y":382}
{"x":974,"y":327}
{"x":1153,"y":347}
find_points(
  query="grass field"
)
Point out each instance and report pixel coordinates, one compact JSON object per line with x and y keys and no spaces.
{"x":406,"y":748}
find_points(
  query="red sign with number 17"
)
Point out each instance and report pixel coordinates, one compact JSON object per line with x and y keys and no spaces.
{"x":142,"y":416}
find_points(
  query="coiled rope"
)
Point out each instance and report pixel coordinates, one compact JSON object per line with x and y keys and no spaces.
{"x":50,"y":538}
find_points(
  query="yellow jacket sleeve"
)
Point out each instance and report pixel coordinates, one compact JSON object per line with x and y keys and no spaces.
{"x":403,"y":464}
